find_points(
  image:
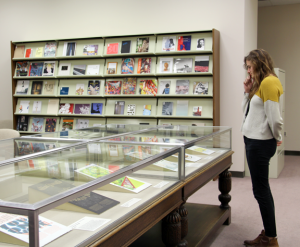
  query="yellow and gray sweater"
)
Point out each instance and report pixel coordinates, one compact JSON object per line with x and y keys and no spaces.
{"x":264,"y":120}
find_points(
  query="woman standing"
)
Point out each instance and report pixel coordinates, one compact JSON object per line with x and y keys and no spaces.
{"x":261,"y":129}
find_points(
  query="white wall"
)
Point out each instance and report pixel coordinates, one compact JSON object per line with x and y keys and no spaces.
{"x":38,"y":20}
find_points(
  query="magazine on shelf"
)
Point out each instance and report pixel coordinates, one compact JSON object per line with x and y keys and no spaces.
{"x":48,"y":87}
{"x":39,"y":52}
{"x":119,"y":107}
{"x":127,"y":66}
{"x":112,"y":68}
{"x":53,"y":106}
{"x":201,"y":63}
{"x":38,"y":147}
{"x":129,"y":86}
{"x":130,"y":109}
{"x":93,"y":87}
{"x":22,"y":68}
{"x":167,"y":108}
{"x":200,"y":44}
{"x":37,"y":124}
{"x":166,"y":64}
{"x":142,"y":45}
{"x":164,"y":87}
{"x":82,"y":123}
{"x":79,"y":89}
{"x":93,"y":69}
{"x":64,"y":91}
{"x":112,"y":48}
{"x":66,"y":108}
{"x":147,"y":110}
{"x":64,"y":69}
{"x":36,"y":69}
{"x":113,"y":87}
{"x":50,"y":49}
{"x":200,"y":88}
{"x":144,"y":66}
{"x":90,"y":50}
{"x":69,"y":49}
{"x":82,"y":109}
{"x":24,"y":106}
{"x":182,"y":108}
{"x":67,"y":124}
{"x":19,"y":51}
{"x":183,"y":65}
{"x":36,"y":88}
{"x":148,"y":87}
{"x":24,"y":148}
{"x":50,"y":125}
{"x":22,"y":124}
{"x":184,"y":43}
{"x":37,"y":107}
{"x":28,"y":52}
{"x":182,"y":87}
{"x":49,"y":68}
{"x":197,"y":111}
{"x":125,"y":47}
{"x":169,"y":43}
{"x":96,"y":108}
{"x":79,"y":69}
{"x":22,"y":87}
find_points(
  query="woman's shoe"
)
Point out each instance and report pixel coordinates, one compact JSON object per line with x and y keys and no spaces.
{"x":267,"y":242}
{"x":255,"y":241}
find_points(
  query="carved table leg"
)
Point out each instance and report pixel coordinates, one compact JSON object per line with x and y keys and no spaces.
{"x":184,"y":225}
{"x":225,"y":188}
{"x":171,"y":229}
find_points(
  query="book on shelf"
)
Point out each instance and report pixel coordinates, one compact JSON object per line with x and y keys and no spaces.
{"x":147,"y":110}
{"x":38,"y":147}
{"x":197,"y":111}
{"x":112,"y":48}
{"x":22,"y":87}
{"x":182,"y":108}
{"x":24,"y":148}
{"x":24,"y":106}
{"x":82,"y":123}
{"x":36,"y":69}
{"x":144,"y":65}
{"x":15,"y":229}
{"x":48,"y":87}
{"x":19,"y":51}
{"x":142,"y":45}
{"x":22,"y":124}
{"x":201,"y":63}
{"x":129,"y":85}
{"x":28,"y":52}
{"x":49,"y":68}
{"x":50,"y":124}
{"x":53,"y":106}
{"x":148,"y":87}
{"x":127,"y":66}
{"x":169,"y":43}
{"x":37,"y":87}
{"x":66,"y":108}
{"x":37,"y":124}
{"x":200,"y":44}
{"x":22,"y":68}
{"x":93,"y":69}
{"x":96,"y":108}
{"x":182,"y":86}
{"x":200,"y":88}
{"x":79,"y":89}
{"x":183,"y":65}
{"x":39,"y":52}
{"x":113,"y":150}
{"x":167,"y":108}
{"x":82,"y":109}
{"x":130,"y":109}
{"x":90,"y":50}
{"x":113,"y":87}
{"x":166,"y":64}
{"x":64,"y":91}
{"x":50,"y":49}
{"x":79,"y":69}
{"x":69,"y":49}
{"x":119,"y":107}
{"x":184,"y":43}
{"x":93,"y":87}
{"x":67,"y":124}
{"x":112,"y":68}
{"x":125,"y":48}
{"x":164,"y":87}
{"x":37,"y":107}
{"x":64,"y":69}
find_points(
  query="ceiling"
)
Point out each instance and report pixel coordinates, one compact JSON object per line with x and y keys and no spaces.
{"x":264,"y":3}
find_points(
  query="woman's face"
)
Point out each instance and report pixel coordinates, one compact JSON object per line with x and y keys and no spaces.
{"x":250,"y":69}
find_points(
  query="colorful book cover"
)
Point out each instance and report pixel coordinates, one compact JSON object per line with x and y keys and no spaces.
{"x":182,"y":107}
{"x":37,"y":124}
{"x":182,"y":87}
{"x":24,"y":106}
{"x":166,"y":64}
{"x":50,"y":49}
{"x":147,"y":110}
{"x":144,"y":66}
{"x":36,"y":88}
{"x":82,"y":123}
{"x":127,"y":149}
{"x":200,"y":44}
{"x":79,"y":89}
{"x":22,"y":124}
{"x":96,"y":108}
{"x":197,"y":110}
{"x":82,"y":109}
{"x":28,"y":52}
{"x":200,"y":88}
{"x":49,"y":87}
{"x":184,"y":43}
{"x":67,"y":124}
{"x":39,"y":52}
{"x":148,"y":87}
{"x":49,"y":69}
{"x":69,"y":49}
{"x":50,"y":125}
{"x":129,"y":86}
{"x":142,"y":45}
{"x":66,"y":108}
{"x":19,"y":51}
{"x":113,"y":87}
{"x":183,"y":65}
{"x":167,"y":108}
{"x":169,"y":43}
{"x":119,"y":107}
{"x":125,"y":48}
{"x":38,"y":147}
{"x":90,"y":50}
{"x":112,"y":48}
{"x":22,"y":87}
{"x":112,"y":68}
{"x":93,"y":88}
{"x":79,"y":69}
{"x":64,"y":91}
{"x":127,"y":66}
{"x":164,"y":87}
{"x":22,"y":68}
{"x":37,"y":107}
{"x":130,"y":109}
{"x":24,"y":148}
{"x":201,"y":64}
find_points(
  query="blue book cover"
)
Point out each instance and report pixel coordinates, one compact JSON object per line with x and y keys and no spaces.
{"x":36,"y":69}
{"x":97,"y":108}
{"x":64,"y":91}
{"x":184,"y":43}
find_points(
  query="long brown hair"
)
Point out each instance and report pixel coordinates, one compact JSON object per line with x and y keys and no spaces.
{"x":263,"y":66}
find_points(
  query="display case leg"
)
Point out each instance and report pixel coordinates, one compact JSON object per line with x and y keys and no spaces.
{"x":225,"y":188}
{"x":171,"y":229}
{"x":184,"y":225}
{"x":33,"y":219}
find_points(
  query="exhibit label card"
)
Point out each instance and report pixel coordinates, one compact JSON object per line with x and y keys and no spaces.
{"x":130,"y":202}
{"x":161,"y":184}
{"x":89,"y":223}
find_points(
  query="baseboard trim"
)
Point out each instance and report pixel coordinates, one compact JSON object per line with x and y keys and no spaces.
{"x":294,"y":153}
{"x":238,"y":174}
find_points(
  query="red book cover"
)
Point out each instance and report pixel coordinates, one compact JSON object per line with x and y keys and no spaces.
{"x":112,"y":48}
{"x":139,"y":66}
{"x":28,"y":53}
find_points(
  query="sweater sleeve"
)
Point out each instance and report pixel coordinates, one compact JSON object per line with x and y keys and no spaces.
{"x":245,"y":102}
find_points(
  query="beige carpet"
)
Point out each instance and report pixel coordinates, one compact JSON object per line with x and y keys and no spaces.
{"x":246,"y":221}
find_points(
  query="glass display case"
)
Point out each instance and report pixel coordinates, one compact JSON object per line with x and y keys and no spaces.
{"x":72,"y":188}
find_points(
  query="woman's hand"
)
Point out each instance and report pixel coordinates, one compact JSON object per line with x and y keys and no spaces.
{"x":279,"y":143}
{"x":248,"y":83}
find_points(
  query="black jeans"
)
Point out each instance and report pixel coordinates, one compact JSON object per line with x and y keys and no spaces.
{"x":259,"y":153}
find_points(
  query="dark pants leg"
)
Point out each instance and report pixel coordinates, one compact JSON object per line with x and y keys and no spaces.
{"x":259,"y":153}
